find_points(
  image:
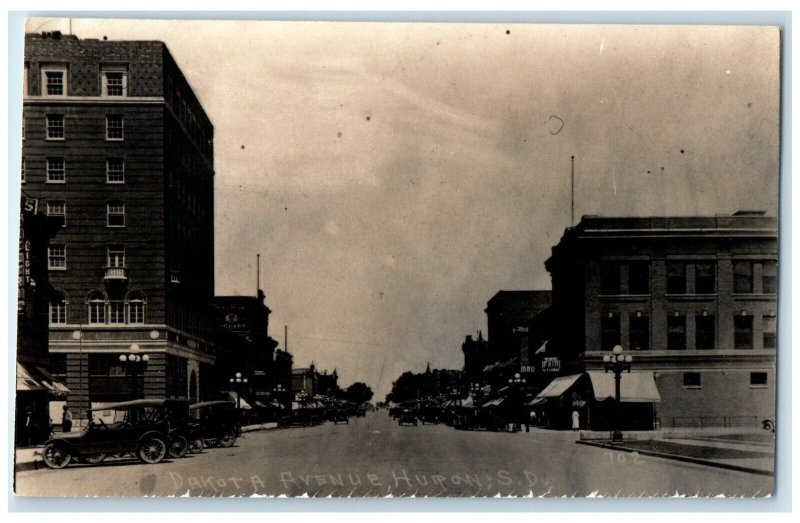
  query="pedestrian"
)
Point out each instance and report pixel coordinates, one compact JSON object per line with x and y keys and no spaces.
{"x":66,"y":420}
{"x":531,"y":421}
{"x":576,"y":420}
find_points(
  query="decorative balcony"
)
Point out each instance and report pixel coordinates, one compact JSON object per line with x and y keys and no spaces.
{"x":116,"y":274}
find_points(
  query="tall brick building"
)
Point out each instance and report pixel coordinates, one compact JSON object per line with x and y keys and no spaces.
{"x":117,"y":146}
{"x":692,"y":299}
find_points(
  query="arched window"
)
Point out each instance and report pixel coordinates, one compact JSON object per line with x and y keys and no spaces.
{"x":97,"y":308}
{"x":136,"y":303}
{"x":58,"y":309}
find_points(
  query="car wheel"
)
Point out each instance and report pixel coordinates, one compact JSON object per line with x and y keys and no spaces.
{"x":213,"y":442}
{"x":196,"y":446}
{"x":152,"y":450}
{"x":178,"y":447}
{"x":56,"y":456}
{"x":93,"y":459}
{"x":228,"y":439}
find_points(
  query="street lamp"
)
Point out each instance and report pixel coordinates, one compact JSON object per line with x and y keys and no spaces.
{"x":516,"y":383}
{"x":617,"y":363}
{"x":238,"y":381}
{"x":278,"y":392}
{"x":136,"y":363}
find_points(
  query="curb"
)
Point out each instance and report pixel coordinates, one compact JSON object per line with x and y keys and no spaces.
{"x":257,"y":428}
{"x":678,"y":457}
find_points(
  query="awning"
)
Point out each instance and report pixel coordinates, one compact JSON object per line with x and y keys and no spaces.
{"x":635,"y":387}
{"x":31,"y":378}
{"x":494,"y":403}
{"x":558,"y":386}
{"x":242,"y":403}
{"x":542,"y":348}
{"x":536,"y":401}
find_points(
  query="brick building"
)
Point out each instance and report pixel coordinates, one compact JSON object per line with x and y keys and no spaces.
{"x":118,"y":147}
{"x":692,"y":299}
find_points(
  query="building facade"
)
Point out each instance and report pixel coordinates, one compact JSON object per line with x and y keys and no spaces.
{"x":692,"y":299}
{"x":117,"y":147}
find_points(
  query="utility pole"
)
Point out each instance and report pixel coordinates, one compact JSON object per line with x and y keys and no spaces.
{"x":572,"y":194}
{"x":258,"y":273}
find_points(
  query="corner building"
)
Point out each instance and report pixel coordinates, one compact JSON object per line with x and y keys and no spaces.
{"x":692,"y":299}
{"x":117,"y":147}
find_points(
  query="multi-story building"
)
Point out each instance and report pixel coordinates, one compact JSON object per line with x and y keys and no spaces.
{"x":244,"y":345}
{"x":692,"y":299}
{"x":120,"y":150}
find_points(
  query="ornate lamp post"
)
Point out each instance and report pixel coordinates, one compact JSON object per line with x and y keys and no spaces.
{"x":278,"y":392}
{"x":238,"y":382}
{"x":136,"y":363}
{"x":477,"y":391}
{"x":516,"y":383}
{"x":617,"y":363}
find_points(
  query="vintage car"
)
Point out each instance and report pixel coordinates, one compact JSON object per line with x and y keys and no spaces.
{"x":430,"y":413}
{"x":216,"y":423}
{"x":361,"y":411}
{"x":137,"y":427}
{"x":303,"y":414}
{"x":408,"y":417}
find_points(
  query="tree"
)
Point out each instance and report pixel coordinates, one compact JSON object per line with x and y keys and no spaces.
{"x":358,"y":392}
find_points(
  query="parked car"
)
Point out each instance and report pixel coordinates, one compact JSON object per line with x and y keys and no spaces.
{"x":408,"y":417}
{"x":137,"y":427}
{"x":217,"y":422}
{"x":303,"y":415}
{"x":361,"y":411}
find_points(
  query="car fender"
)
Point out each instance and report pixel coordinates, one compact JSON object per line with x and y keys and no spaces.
{"x":65,"y":442}
{"x":154,"y":433}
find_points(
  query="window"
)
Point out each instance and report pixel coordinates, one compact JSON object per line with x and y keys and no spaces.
{"x":609,"y":332}
{"x":743,"y":332}
{"x":97,"y":308}
{"x":56,"y":172}
{"x":115,"y":170}
{"x":54,"y":80}
{"x":640,"y":332}
{"x":705,"y":332}
{"x":609,"y":278}
{"x":58,"y":210}
{"x":116,"y":256}
{"x":639,"y":278}
{"x":691,"y":380}
{"x":770,"y":277}
{"x":175,"y":276}
{"x":58,"y":310}
{"x":676,"y":277}
{"x":743,"y":276}
{"x":676,"y":332}
{"x":115,"y":127}
{"x":758,"y":379}
{"x":115,"y":215}
{"x":770,"y":325}
{"x":55,"y":126}
{"x":705,"y":278}
{"x":115,"y":83}
{"x":116,"y":312}
{"x":57,"y":257}
{"x":136,"y":307}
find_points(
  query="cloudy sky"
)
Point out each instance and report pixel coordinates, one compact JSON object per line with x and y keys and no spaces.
{"x":396,"y":176}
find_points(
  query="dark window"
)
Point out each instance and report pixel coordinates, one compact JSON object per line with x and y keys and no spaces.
{"x":58,"y":364}
{"x":105,"y":365}
{"x":609,"y":278}
{"x":58,"y":210}
{"x":742,"y":332}
{"x":758,"y":378}
{"x":640,"y":332}
{"x":609,"y":332}
{"x":743,"y":276}
{"x":676,"y":278}
{"x":115,"y":170}
{"x":115,"y":127}
{"x":770,"y":277}
{"x":691,"y":379}
{"x":639,"y":278}
{"x":705,"y":278}
{"x":115,"y":215}
{"x":676,"y":332}
{"x":705,"y":331}
{"x":55,"y":126}
{"x":770,"y":326}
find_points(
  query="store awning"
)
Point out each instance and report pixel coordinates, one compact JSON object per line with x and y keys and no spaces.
{"x":242,"y":403}
{"x":558,"y":386}
{"x":494,"y":403}
{"x":30,"y":378}
{"x":635,"y":387}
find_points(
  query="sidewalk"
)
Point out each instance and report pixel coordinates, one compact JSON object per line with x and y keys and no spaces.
{"x":743,"y":451}
{"x":30,"y":458}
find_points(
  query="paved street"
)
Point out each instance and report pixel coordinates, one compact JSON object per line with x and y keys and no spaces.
{"x":373,"y":456}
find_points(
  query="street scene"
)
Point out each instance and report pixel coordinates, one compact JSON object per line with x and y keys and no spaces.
{"x":363,"y":259}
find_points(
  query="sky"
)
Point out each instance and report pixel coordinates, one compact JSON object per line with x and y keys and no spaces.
{"x":394,"y":177}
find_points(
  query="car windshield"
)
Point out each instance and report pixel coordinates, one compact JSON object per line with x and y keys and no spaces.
{"x":126,"y":415}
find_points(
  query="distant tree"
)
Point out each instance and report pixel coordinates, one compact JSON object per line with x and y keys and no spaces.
{"x":358,"y":392}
